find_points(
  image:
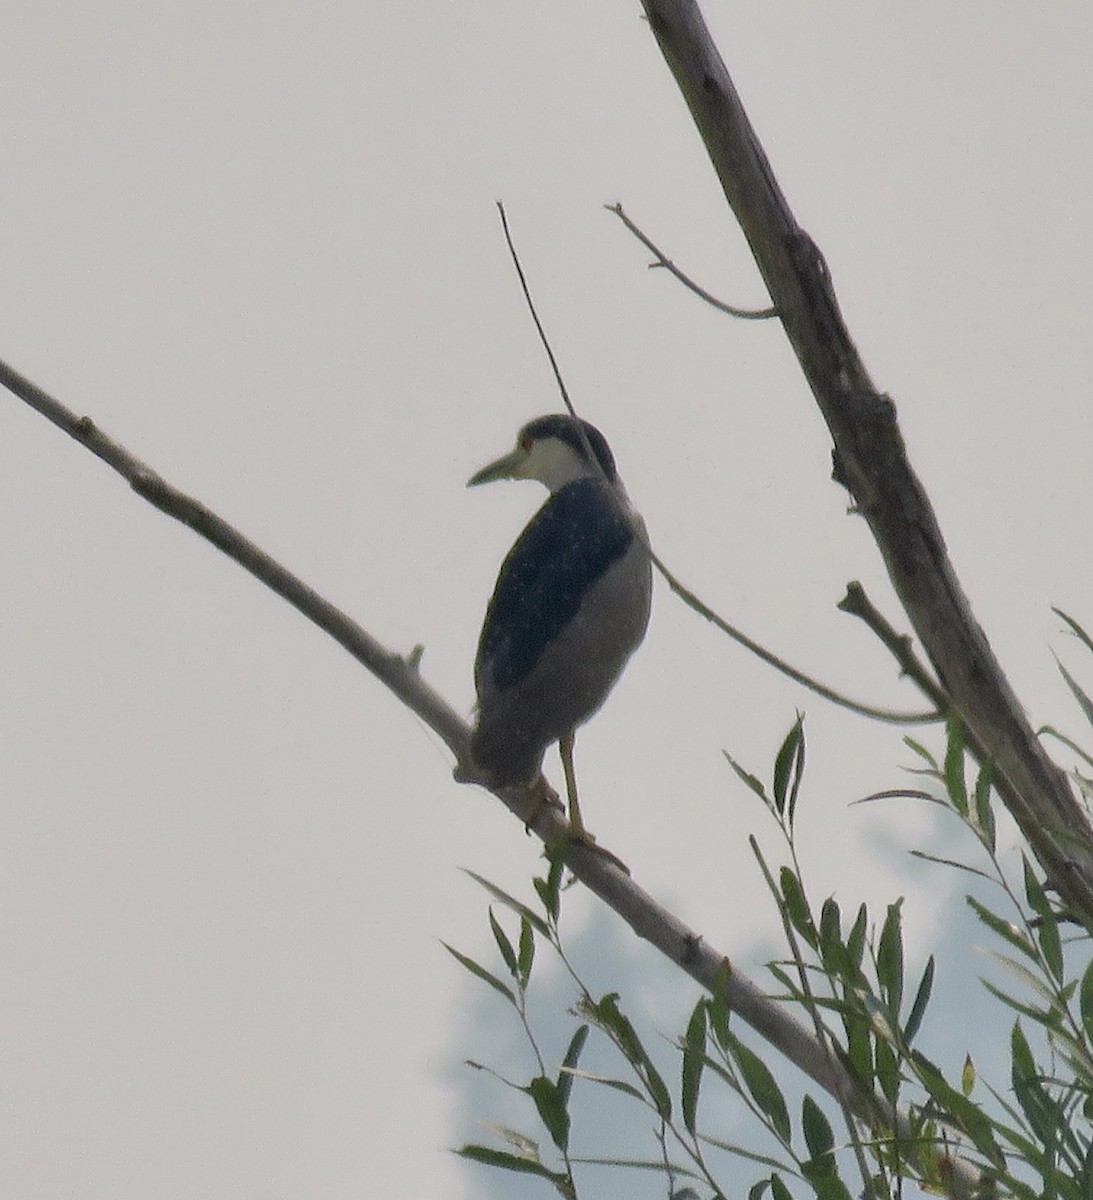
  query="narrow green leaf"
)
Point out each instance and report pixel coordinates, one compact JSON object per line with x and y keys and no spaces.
{"x":1069,"y":743}
{"x":505,"y":946}
{"x":618,"y":1085}
{"x":778,"y":1189}
{"x":1075,"y":628}
{"x":855,"y":942}
{"x":761,"y":1085}
{"x":755,"y":1192}
{"x":511,"y":1162}
{"x":859,"y":1046}
{"x":1052,"y":1012}
{"x":924,"y":754}
{"x":967,"y":1076}
{"x":1005,"y":929}
{"x":792,"y":986}
{"x":1084,"y":702}
{"x":817,"y":1129}
{"x":959,"y":1108}
{"x":1051,"y":946}
{"x":789,"y":765}
{"x":694,"y":1059}
{"x":1045,"y":1116}
{"x":719,"y":1006}
{"x":549,"y":890}
{"x":572,"y":1055}
{"x":1047,"y":931}
{"x":551,"y":1107}
{"x":1039,"y":1015}
{"x":1034,"y":891}
{"x":824,"y":1180}
{"x":659,"y":1166}
{"x":922,"y":999}
{"x":796,"y":906}
{"x":950,"y":862}
{"x":1085,"y":1001}
{"x":832,"y":952}
{"x":890,"y":959}
{"x":480,"y":972}
{"x":743,"y":1152}
{"x":955,"y":783}
{"x":527,"y":951}
{"x":517,"y":907}
{"x":888,"y":1072}
{"x":749,"y":779}
{"x":984,"y":813}
{"x":612,"y":1020}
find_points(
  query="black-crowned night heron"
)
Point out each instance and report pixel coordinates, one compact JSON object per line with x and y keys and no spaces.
{"x":570,"y":606}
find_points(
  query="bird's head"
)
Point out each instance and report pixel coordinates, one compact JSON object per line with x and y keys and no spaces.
{"x":555,"y":450}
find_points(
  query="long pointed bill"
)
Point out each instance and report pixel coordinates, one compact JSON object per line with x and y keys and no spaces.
{"x":504,"y":468}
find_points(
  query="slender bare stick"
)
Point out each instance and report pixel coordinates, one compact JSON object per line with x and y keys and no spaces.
{"x":857,"y":604}
{"x":662,"y":260}
{"x":544,"y":340}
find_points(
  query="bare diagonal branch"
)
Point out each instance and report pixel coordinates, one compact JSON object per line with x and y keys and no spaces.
{"x":599,"y":872}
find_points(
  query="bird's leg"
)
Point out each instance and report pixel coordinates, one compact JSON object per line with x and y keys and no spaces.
{"x":577,"y":831}
{"x":565,"y":750}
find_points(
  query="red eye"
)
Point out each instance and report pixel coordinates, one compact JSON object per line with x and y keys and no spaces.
{"x":525,"y":442}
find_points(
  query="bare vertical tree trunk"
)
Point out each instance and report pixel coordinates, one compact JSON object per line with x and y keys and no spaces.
{"x":871,"y":462}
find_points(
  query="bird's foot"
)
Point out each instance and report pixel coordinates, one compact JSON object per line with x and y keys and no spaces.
{"x":543,"y":796}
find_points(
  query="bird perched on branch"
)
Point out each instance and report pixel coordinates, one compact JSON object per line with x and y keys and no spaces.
{"x":570,"y":606}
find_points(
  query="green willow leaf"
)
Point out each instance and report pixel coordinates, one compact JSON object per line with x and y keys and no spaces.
{"x":607,"y":1014}
{"x":789,"y":765}
{"x":572,"y":1055}
{"x":762,"y":1087}
{"x":480,"y":972}
{"x":890,"y":959}
{"x":505,"y":946}
{"x":549,"y":890}
{"x":1005,"y":929}
{"x":921,"y":1000}
{"x":526,"y":955}
{"x":955,"y":783}
{"x":796,"y":906}
{"x":551,"y":1106}
{"x":511,"y":902}
{"x":817,"y":1129}
{"x":694,"y":1059}
{"x":511,"y":1162}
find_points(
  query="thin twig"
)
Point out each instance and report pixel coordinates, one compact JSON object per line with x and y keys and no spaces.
{"x":858,"y":604}
{"x":878,"y":714}
{"x":662,"y":260}
{"x":535,"y":316}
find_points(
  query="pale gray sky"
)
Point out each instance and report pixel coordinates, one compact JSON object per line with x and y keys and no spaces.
{"x":257,"y":243}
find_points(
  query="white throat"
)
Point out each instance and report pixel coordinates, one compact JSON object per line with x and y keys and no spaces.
{"x":553,"y":463}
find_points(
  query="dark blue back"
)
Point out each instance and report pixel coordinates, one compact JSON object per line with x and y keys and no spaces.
{"x":569,"y":543}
